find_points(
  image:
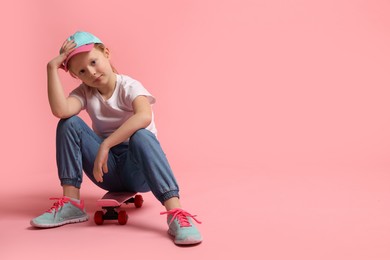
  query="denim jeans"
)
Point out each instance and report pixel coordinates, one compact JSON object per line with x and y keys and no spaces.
{"x":138,"y":166}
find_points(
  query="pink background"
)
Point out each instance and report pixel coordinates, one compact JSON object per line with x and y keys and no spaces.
{"x":274,"y":115}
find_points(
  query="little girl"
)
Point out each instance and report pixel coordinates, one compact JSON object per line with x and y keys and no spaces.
{"x":122,"y":152}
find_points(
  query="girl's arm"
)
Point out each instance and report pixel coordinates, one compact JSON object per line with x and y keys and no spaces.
{"x":141,"y":119}
{"x":61,"y":106}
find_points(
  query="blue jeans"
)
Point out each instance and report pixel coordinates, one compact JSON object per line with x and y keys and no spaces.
{"x":137,"y":166}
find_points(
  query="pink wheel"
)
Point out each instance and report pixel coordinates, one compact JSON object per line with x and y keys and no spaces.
{"x":122,"y":217}
{"x":99,"y":217}
{"x":138,"y":201}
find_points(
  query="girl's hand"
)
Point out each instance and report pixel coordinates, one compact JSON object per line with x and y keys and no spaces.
{"x":100,"y":165}
{"x":58,"y":62}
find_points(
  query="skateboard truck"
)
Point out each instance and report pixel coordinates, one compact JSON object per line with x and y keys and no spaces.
{"x":111,"y":203}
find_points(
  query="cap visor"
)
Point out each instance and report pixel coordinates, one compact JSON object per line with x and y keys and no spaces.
{"x":83,"y":48}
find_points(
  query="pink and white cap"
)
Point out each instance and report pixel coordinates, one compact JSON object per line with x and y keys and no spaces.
{"x":84,"y":43}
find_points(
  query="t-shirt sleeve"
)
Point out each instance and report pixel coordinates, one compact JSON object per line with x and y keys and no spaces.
{"x":135,"y":89}
{"x":80,"y":94}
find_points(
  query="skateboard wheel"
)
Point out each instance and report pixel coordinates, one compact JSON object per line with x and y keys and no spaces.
{"x":99,"y":217}
{"x":138,"y":201}
{"x":122,"y":217}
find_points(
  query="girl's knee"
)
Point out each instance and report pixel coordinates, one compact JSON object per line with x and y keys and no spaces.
{"x":141,"y":136}
{"x":143,"y":140}
{"x":68,"y":122}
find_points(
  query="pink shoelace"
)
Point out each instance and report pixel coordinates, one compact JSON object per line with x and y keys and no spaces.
{"x":59,"y":203}
{"x":181,"y":216}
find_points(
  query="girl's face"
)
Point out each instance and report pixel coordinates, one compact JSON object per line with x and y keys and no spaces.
{"x":93,"y":68}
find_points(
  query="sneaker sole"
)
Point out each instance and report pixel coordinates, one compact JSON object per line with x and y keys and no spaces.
{"x":184,"y":242}
{"x":69,"y":221}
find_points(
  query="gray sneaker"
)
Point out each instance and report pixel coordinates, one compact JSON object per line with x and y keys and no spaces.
{"x":182,"y":228}
{"x":64,"y":211}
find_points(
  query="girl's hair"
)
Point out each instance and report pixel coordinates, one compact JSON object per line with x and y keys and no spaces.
{"x":101,"y":47}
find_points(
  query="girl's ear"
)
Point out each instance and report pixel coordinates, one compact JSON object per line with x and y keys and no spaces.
{"x":106,"y":53}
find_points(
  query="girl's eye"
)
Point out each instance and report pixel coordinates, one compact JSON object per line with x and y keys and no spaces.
{"x":93,"y":62}
{"x":82,"y":72}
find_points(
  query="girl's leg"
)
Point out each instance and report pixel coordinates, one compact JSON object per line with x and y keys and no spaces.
{"x":146,"y":167}
{"x":71,"y":191}
{"x":172,"y":203}
{"x":77,"y":146}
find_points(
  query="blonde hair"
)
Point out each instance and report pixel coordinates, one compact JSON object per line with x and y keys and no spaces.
{"x":101,"y":47}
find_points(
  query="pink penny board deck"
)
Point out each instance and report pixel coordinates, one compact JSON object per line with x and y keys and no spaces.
{"x":114,"y":199}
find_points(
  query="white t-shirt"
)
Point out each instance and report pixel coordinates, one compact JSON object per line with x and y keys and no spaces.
{"x":108,"y":115}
